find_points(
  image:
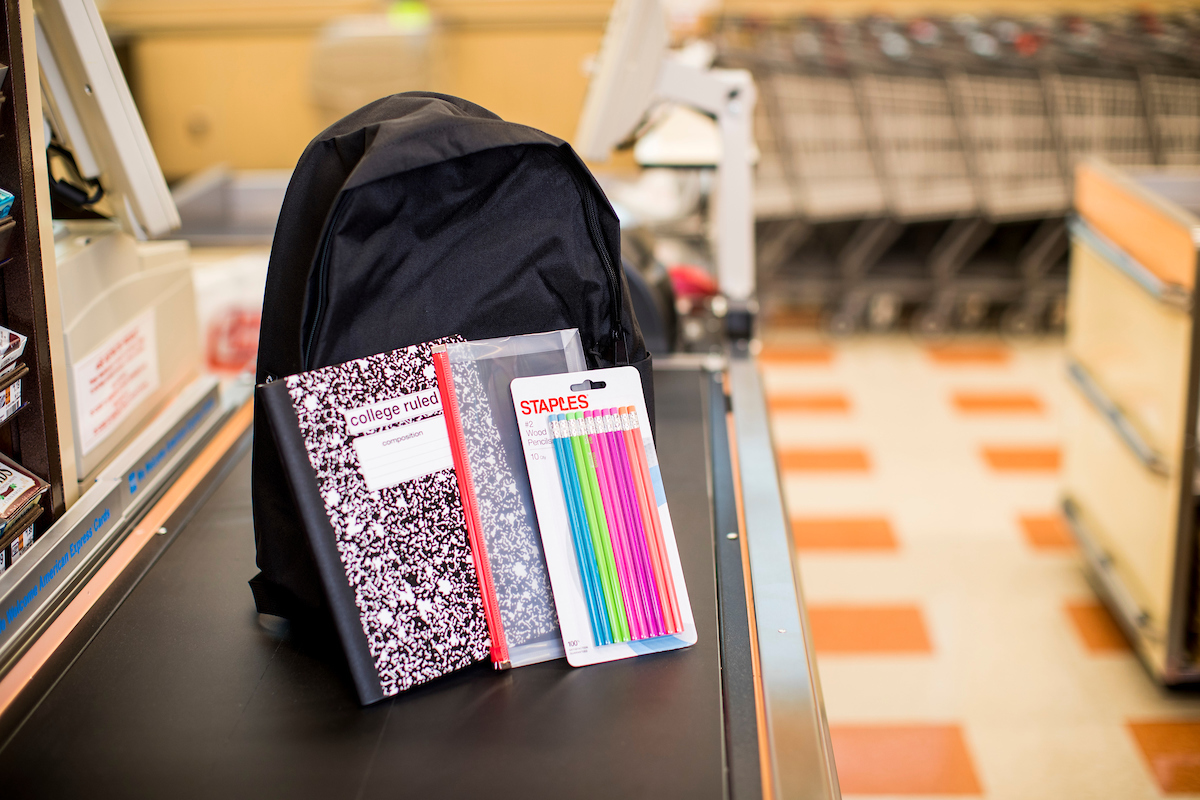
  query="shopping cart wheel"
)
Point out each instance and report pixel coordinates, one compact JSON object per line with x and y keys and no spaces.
{"x":973,"y":310}
{"x":842,"y":324}
{"x":849,"y":315}
{"x":1057,"y":316}
{"x":883,"y":311}
{"x":1020,"y":320}
{"x":931,"y":323}
{"x":937,"y":318}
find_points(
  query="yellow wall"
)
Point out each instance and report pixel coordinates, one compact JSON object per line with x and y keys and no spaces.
{"x":221,"y":82}
{"x":240,"y":99}
{"x":228,"y":81}
{"x":530,"y":76}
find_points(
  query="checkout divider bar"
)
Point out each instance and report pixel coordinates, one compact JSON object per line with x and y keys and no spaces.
{"x":747,"y":759}
{"x":797,"y":733}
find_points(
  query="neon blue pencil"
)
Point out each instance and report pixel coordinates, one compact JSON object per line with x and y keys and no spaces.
{"x":568,"y":496}
{"x":579,"y":534}
{"x":586,"y":552}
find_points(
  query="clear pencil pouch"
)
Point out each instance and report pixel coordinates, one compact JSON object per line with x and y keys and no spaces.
{"x":474,"y":378}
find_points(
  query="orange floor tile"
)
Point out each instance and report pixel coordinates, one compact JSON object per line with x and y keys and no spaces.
{"x":843,"y":533}
{"x":871,"y":630}
{"x":1022,"y":459}
{"x":997,"y":403}
{"x":825,"y":459}
{"x":969,"y":354}
{"x":796,"y":355}
{"x":1172,"y":751}
{"x":831,"y":402}
{"x":903,"y":760}
{"x":1046,"y":532}
{"x":1096,"y":628}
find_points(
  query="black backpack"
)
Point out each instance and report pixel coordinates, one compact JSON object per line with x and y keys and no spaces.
{"x":416,"y":217}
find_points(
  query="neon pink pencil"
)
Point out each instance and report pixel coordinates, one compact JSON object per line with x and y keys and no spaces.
{"x":636,"y":574}
{"x":624,"y":563}
{"x":633,"y":519}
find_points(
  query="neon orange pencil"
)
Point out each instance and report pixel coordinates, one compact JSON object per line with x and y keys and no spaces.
{"x":644,"y":508}
{"x":651,"y":524}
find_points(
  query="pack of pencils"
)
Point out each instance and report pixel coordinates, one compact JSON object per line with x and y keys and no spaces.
{"x":606,"y":530}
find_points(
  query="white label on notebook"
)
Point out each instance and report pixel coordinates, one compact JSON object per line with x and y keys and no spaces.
{"x":114,"y":379}
{"x":404,"y":452}
{"x":390,"y":412}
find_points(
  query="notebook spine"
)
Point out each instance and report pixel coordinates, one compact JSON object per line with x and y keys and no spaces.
{"x":466,"y":490}
{"x":302,"y":480}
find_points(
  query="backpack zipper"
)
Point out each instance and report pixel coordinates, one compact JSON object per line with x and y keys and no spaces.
{"x":321,"y":270}
{"x":620,"y":346}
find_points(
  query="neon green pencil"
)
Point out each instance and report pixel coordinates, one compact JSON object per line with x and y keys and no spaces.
{"x":598,"y":525}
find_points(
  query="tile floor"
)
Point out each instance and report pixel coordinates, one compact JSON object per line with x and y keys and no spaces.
{"x":960,"y":650}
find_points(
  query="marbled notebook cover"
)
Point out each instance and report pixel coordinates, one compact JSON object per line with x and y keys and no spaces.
{"x":391,"y":505}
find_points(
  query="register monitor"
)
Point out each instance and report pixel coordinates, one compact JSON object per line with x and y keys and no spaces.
{"x":89,"y":105}
{"x":634,"y":71}
{"x":622,"y":88}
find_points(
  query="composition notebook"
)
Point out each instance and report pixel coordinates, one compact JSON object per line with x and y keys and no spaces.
{"x":366,"y":451}
{"x":475,"y":379}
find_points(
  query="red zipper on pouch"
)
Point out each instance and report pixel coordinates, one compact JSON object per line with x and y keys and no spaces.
{"x":466,"y":490}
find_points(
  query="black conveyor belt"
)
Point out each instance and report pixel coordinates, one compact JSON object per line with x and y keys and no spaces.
{"x":185,"y":691}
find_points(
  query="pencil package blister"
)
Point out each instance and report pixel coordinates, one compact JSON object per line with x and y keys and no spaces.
{"x":474,"y":379}
{"x":605,"y":526}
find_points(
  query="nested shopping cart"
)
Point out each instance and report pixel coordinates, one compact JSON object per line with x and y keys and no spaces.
{"x":906,"y":168}
{"x":1173,"y":102}
{"x":1169,"y":72}
{"x":1101,"y":113}
{"x":921,"y":156}
{"x":1021,"y":177}
{"x":1011,"y":143}
{"x":836,"y":179}
{"x":759,"y":49}
{"x":827,"y":144}
{"x":932,"y":198}
{"x":844,"y":219}
{"x":1095,"y":96}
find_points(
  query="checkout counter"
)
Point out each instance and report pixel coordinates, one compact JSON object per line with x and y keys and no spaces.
{"x":133,"y":662}
{"x":171,"y":683}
